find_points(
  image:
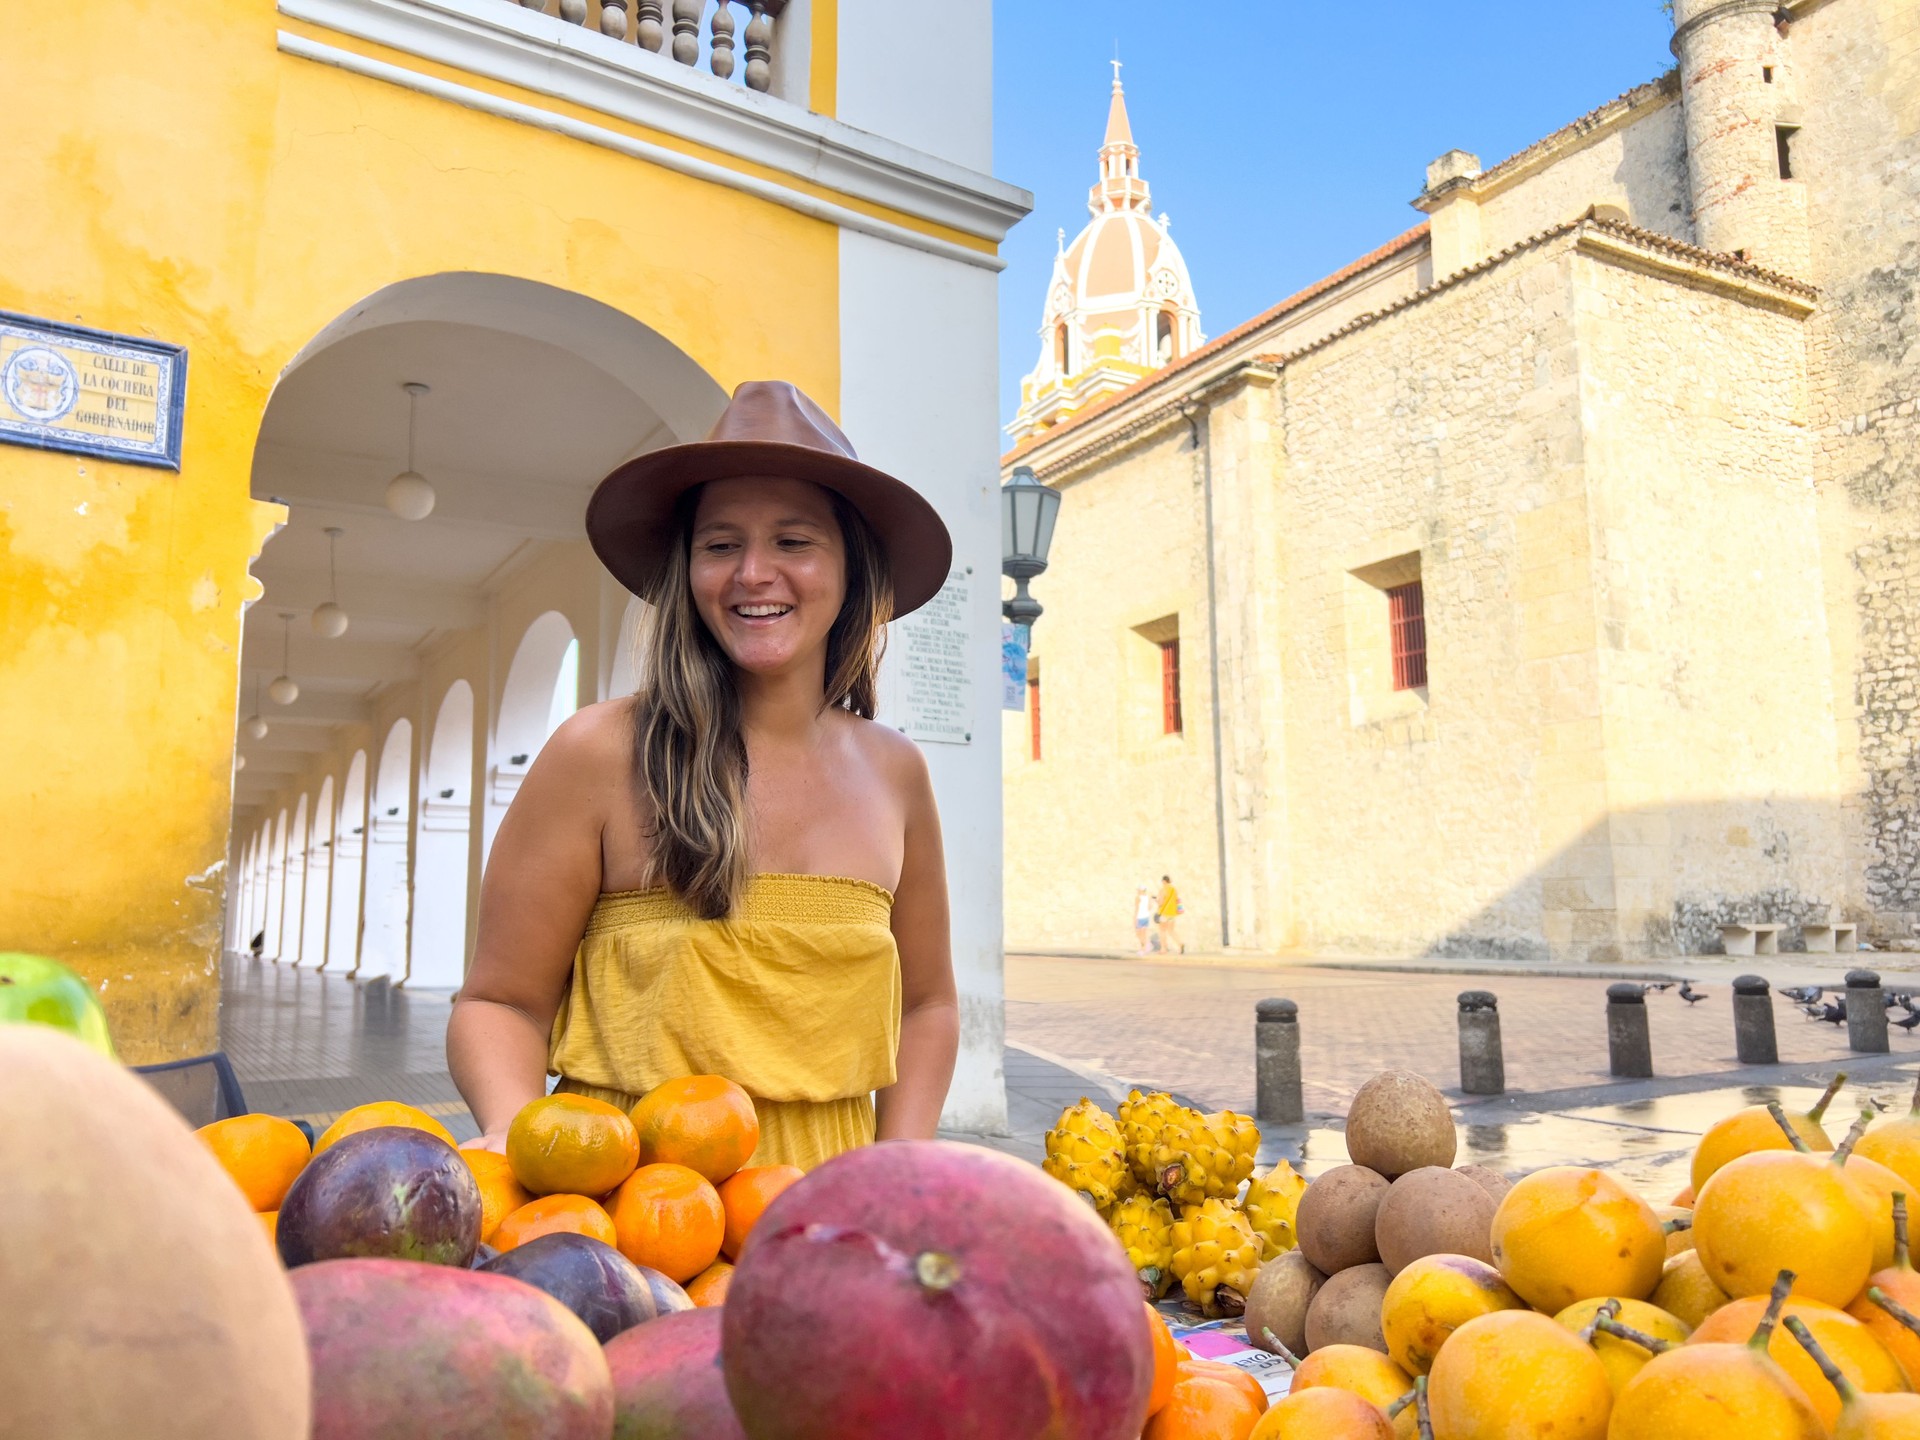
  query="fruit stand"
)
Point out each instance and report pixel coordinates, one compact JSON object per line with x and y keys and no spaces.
{"x":632,"y":1273}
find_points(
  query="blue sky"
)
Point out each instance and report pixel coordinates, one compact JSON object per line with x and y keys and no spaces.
{"x":1284,"y":139}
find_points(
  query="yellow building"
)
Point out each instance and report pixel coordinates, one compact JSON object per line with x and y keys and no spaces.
{"x":1543,"y":584}
{"x":574,"y":232}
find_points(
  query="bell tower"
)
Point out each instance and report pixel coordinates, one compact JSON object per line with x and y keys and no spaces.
{"x":1736,"y":84}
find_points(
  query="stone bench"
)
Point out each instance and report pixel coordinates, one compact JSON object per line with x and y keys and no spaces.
{"x":1832,"y":939}
{"x":1750,"y":938}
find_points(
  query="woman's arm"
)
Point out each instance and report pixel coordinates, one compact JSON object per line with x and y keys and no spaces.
{"x":541,"y":881}
{"x":909,"y":1109}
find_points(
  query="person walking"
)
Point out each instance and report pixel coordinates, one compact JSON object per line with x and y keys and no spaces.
{"x":1168,"y":912}
{"x":734,"y":871}
{"x":1142,"y":918}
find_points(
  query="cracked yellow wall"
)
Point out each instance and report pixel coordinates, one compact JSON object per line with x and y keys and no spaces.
{"x":182,"y":180}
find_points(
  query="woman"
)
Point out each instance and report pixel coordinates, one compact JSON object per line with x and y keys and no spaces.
{"x":1169,"y":911}
{"x":734,"y":872}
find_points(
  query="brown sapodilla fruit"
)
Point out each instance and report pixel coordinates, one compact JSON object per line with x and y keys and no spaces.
{"x":1347,"y":1309}
{"x":1335,"y":1218}
{"x":1278,"y":1301}
{"x":1491,"y":1181}
{"x":1399,"y":1121}
{"x":1431,"y":1211}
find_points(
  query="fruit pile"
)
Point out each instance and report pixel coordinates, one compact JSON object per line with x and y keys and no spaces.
{"x":1772,"y":1300}
{"x":923,"y":1289}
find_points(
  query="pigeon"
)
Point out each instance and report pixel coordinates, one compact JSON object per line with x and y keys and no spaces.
{"x":1802,"y":994}
{"x":1812,"y":1012}
{"x":1896,"y":997}
{"x":1689,"y":994}
{"x":1834,"y":1013}
{"x":1908,"y":1021}
{"x":1662,"y":985}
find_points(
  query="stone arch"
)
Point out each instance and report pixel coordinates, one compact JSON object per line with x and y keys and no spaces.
{"x":276,"y":886}
{"x":349,"y":858}
{"x":440,"y":872}
{"x":388,"y":907}
{"x":313,"y":925}
{"x":525,"y":718}
{"x":291,"y":917}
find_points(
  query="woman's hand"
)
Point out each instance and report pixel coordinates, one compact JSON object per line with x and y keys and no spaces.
{"x":494,"y":1140}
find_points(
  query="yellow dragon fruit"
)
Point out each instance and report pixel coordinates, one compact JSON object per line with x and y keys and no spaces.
{"x":1204,"y":1157}
{"x":1215,"y":1257}
{"x":1144,"y":1227}
{"x":1084,"y":1153}
{"x":1269,"y":1206}
{"x":1141,"y":1119}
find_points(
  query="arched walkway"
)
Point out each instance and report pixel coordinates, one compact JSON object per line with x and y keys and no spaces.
{"x":480,"y":626}
{"x":626,"y":651}
{"x":349,"y":856}
{"x":313,"y":927}
{"x":440,"y":867}
{"x":383,"y":944}
{"x":532,"y":705}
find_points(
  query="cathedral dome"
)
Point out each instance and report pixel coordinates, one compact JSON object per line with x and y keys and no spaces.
{"x":1120,"y":303}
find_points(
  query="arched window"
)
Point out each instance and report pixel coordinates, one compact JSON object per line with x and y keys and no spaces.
{"x":1061,"y":354}
{"x":1163,"y":338}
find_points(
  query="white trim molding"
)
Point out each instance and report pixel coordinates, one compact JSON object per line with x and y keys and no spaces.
{"x":501,"y":41}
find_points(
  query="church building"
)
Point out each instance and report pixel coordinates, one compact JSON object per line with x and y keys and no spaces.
{"x":1543,"y":584}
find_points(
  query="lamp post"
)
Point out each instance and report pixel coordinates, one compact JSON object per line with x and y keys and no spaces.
{"x":1027,"y":512}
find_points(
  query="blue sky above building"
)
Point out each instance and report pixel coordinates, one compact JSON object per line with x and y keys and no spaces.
{"x":1284,"y":140}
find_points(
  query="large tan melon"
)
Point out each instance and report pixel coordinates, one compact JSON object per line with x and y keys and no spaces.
{"x":140,"y":1298}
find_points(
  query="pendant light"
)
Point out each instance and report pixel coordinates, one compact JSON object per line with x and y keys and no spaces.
{"x":408,"y":494}
{"x":281,"y":689}
{"x":256,"y":725}
{"x":329,"y":620}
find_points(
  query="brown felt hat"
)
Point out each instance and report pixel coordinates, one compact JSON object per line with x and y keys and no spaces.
{"x":768,"y":428}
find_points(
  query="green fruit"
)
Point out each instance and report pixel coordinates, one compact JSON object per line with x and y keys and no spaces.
{"x":39,"y":991}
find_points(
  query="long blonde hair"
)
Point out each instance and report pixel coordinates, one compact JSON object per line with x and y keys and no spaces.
{"x":689,"y":757}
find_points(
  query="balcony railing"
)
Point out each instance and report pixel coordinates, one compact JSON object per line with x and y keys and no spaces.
{"x":697,"y":33}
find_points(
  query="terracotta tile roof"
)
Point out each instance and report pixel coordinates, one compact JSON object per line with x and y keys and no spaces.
{"x":1220,"y":342}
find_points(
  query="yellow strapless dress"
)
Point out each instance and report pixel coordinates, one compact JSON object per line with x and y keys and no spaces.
{"x":795,"y":997}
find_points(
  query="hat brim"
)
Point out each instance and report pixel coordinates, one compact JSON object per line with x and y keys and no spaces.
{"x":629,"y":518}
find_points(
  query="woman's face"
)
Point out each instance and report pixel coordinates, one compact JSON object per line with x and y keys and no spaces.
{"x":768,"y":569}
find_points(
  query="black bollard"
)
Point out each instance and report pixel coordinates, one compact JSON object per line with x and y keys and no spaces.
{"x":1866,"y":1013}
{"x":1276,"y":1063}
{"x":1483,"y":1070}
{"x":1629,"y":1047}
{"x":1753,"y":1037}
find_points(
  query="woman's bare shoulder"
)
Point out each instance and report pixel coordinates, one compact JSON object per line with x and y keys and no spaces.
{"x":594,"y":743}
{"x":891,"y":754}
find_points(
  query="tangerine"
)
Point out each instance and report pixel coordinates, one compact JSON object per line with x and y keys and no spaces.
{"x":553,"y":1215}
{"x":376,"y":1114}
{"x":500,"y":1193}
{"x":571,"y":1145}
{"x":1203,"y":1406}
{"x":263,"y":1154}
{"x":709,"y":1288}
{"x":1191,"y":1364}
{"x":1166,"y":1359}
{"x":704,"y":1122}
{"x":669,"y":1218}
{"x":270,"y":1222}
{"x":745,"y":1195}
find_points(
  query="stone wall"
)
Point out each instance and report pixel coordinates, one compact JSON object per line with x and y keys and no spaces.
{"x":1857,"y":64}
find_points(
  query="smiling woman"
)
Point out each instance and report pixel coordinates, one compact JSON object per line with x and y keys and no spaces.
{"x":734,"y":872}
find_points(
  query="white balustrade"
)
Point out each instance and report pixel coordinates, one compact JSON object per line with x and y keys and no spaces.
{"x":685,"y":30}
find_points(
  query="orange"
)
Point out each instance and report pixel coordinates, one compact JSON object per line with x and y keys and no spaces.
{"x":263,"y":1154}
{"x":270,"y":1222}
{"x":1166,"y":1360}
{"x":553,"y":1215}
{"x":709,"y":1287}
{"x":1202,"y":1407}
{"x":745,"y":1194}
{"x":1227,"y":1374}
{"x":669,"y":1219}
{"x":704,"y":1122}
{"x":500,"y":1193}
{"x":376,"y":1114}
{"x":571,"y":1145}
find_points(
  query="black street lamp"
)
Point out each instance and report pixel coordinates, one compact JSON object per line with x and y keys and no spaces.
{"x":1027,"y":512}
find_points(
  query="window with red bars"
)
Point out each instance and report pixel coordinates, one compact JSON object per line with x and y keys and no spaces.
{"x":1407,"y":616}
{"x":1170,"y":687}
{"x":1033,"y":716}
